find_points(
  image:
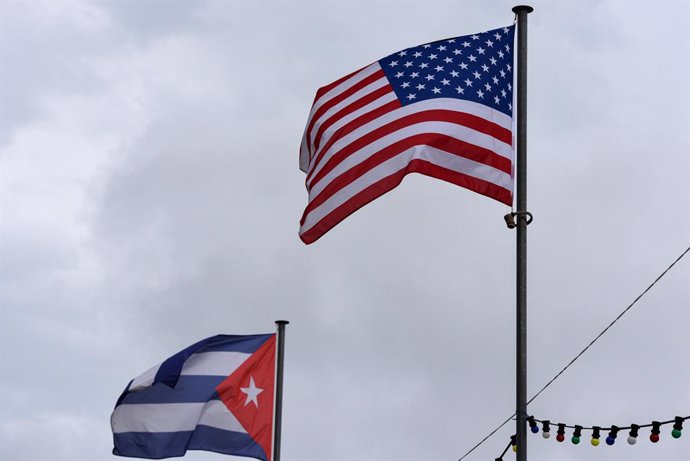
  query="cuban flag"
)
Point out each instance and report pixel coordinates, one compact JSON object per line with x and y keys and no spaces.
{"x":216,"y":395}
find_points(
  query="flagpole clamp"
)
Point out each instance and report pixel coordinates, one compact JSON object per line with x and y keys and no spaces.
{"x":510,"y":218}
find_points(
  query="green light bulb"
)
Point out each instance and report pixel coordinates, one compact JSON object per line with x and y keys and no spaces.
{"x":675,"y":433}
{"x":575,"y":440}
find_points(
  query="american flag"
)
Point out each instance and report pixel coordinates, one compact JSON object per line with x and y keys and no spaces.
{"x":443,"y":109}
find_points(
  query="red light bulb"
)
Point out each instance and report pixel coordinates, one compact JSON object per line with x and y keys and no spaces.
{"x":560,"y":437}
{"x":654,"y":438}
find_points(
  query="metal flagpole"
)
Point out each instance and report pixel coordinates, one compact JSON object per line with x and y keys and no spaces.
{"x":523,"y":218}
{"x":280,"y":324}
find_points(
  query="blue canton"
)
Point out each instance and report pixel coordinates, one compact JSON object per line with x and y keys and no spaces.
{"x":475,"y":68}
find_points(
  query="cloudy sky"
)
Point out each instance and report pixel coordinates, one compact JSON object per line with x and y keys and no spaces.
{"x":150,"y":196}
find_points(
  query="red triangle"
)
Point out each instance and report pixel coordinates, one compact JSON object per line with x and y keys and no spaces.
{"x":252,"y":405}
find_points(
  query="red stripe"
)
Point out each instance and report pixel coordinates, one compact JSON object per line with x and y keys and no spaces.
{"x":441,"y":142}
{"x":351,"y":126}
{"x":340,"y":97}
{"x":347,"y":110}
{"x":325,"y":89}
{"x":390,"y":182}
{"x":436,"y":115}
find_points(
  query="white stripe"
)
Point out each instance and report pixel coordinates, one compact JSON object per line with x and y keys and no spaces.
{"x":344,"y":86}
{"x":435,"y":156}
{"x":382,"y":101}
{"x":172,"y":417}
{"x":354,"y":97}
{"x":216,"y":414}
{"x":213,"y":363}
{"x":457,"y":105}
{"x":452,"y":130}
{"x":145,"y":379}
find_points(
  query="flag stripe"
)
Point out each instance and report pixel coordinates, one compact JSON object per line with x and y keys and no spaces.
{"x":363,"y":98}
{"x":213,"y":363}
{"x":158,"y":445}
{"x":172,"y":417}
{"x":189,"y":389}
{"x":447,"y":123}
{"x":378,"y":76}
{"x":447,"y":144}
{"x":442,"y":165}
{"x":378,"y":188}
{"x":360,"y":118}
{"x":322,"y":96}
{"x":462,"y":112}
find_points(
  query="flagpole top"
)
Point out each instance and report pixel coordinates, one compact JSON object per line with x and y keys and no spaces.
{"x":282,"y":322}
{"x":522,"y":9}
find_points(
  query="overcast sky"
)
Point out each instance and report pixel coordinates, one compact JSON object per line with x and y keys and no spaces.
{"x":150,"y":196}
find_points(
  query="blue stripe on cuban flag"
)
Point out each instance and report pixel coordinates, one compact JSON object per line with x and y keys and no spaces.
{"x":173,"y":407}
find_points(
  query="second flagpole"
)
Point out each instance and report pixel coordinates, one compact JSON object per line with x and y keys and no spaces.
{"x":522,"y":220}
{"x":280,"y":339}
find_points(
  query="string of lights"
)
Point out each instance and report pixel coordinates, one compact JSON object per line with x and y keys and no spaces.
{"x":581,"y":352}
{"x":613,"y":430}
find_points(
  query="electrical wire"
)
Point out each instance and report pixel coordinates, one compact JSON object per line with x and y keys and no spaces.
{"x":581,"y":352}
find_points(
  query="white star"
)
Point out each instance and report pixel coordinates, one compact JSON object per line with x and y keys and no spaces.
{"x":399,"y":74}
{"x":426,"y":46}
{"x":393,"y":63}
{"x":497,"y":35}
{"x":476,"y":74}
{"x":489,"y":43}
{"x":485,"y":68}
{"x":408,"y":64}
{"x":252,"y":393}
{"x":508,"y":66}
{"x":402,"y":53}
{"x":445,"y":81}
{"x":414,"y":74}
{"x":421,"y":86}
{"x":441,"y":48}
{"x":460,"y":89}
{"x":405,"y":85}
{"x":474,"y":37}
{"x":438,"y":68}
{"x":448,"y":60}
{"x":496,"y":98}
{"x":423,"y":65}
{"x":417,"y":54}
{"x":503,"y":93}
{"x":454,"y":73}
{"x":429,"y":77}
{"x":436,"y":90}
{"x":465,"y":44}
{"x":468,"y":82}
{"x":500,"y":54}
{"x":487,"y":86}
{"x":480,"y":94}
{"x":472,"y":58}
{"x":480,"y":50}
{"x":495,"y":80}
{"x":457,"y":52}
{"x":411,"y":96}
{"x":463,"y":66}
{"x":503,"y":74}
{"x":433,"y":56}
{"x":493,"y":61}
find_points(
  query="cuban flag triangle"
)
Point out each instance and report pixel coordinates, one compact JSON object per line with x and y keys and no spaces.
{"x":216,"y":395}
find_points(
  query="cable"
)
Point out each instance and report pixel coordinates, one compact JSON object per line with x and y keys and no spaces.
{"x":609,"y":326}
{"x":582,"y":352}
